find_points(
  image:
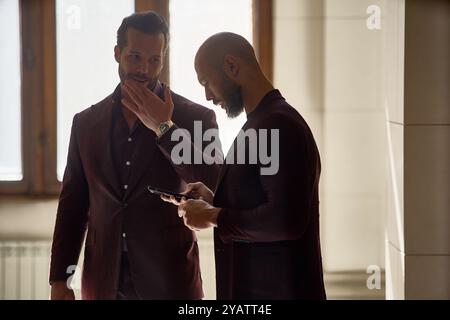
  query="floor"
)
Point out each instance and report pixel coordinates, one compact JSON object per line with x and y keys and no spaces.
{"x":24,"y":273}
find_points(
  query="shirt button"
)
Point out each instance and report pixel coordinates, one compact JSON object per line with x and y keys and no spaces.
{"x":128,"y":163}
{"x":129,"y":139}
{"x":125,"y":204}
{"x":125,"y":187}
{"x":124,"y":235}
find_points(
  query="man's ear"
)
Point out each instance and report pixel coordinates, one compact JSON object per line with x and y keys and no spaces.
{"x":231,"y":66}
{"x":117,"y":53}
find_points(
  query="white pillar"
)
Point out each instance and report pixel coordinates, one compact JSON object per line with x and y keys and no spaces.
{"x":417,"y":78}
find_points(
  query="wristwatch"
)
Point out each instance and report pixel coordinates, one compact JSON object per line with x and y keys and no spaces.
{"x":164,"y":127}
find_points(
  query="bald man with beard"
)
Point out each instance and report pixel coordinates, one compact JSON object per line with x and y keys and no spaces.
{"x":266,"y":227}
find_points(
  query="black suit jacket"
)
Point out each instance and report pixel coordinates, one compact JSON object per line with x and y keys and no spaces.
{"x":267,"y":240}
{"x":163,"y":253}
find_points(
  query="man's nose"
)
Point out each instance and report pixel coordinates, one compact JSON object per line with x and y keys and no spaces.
{"x":208,"y":94}
{"x":143,"y":67}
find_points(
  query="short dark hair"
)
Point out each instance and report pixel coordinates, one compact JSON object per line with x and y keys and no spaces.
{"x":148,"y":22}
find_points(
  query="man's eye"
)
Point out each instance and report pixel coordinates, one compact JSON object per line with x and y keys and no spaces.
{"x":135,"y":57}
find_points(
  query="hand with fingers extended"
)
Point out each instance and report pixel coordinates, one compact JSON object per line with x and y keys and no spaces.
{"x":146,"y":105}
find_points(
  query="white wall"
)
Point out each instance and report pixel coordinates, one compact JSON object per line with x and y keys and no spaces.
{"x":27,"y":219}
{"x":418,"y":100}
{"x":328,"y":64}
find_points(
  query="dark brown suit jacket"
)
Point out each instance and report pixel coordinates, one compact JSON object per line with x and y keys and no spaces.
{"x":163,"y":253}
{"x":267,"y":241}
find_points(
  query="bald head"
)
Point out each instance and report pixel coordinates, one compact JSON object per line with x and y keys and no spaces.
{"x":213,"y":51}
{"x":227,"y":68}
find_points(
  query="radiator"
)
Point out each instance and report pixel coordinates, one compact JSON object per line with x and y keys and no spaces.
{"x":24,"y":268}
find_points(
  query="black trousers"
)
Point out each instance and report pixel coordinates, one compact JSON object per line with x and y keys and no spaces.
{"x":126,"y":290}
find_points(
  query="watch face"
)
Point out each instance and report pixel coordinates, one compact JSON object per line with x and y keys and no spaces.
{"x":163,"y":127}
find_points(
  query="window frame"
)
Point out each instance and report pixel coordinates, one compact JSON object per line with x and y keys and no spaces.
{"x":39,"y":86}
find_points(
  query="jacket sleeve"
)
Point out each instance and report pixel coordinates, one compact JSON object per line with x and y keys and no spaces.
{"x":72,"y":213}
{"x":290,"y":192}
{"x":203,"y":165}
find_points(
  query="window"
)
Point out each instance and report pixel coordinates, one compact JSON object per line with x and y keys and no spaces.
{"x":86,"y":69}
{"x":59,"y":60}
{"x":210,"y":17}
{"x":10,"y":100}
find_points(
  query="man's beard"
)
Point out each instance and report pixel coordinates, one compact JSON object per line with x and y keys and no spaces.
{"x":151,"y":82}
{"x":232,"y":96}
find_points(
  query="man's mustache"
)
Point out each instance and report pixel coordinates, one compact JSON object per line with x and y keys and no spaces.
{"x":139,"y":77}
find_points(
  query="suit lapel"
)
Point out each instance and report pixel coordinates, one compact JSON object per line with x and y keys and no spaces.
{"x":103,"y":133}
{"x":225,"y":166}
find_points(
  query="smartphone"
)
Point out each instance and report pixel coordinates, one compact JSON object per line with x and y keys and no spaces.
{"x":167,"y":193}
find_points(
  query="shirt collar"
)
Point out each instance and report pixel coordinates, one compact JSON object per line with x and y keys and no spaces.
{"x":274,"y":94}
